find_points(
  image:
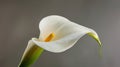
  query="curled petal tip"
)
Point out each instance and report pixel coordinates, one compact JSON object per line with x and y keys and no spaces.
{"x":96,"y":37}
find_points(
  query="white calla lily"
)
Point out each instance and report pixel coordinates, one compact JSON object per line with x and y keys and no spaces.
{"x":57,"y":34}
{"x":66,"y":33}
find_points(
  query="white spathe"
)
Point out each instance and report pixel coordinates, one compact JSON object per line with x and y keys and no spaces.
{"x":67,"y":33}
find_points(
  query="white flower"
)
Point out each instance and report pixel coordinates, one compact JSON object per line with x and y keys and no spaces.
{"x":63,"y":33}
{"x":57,"y":34}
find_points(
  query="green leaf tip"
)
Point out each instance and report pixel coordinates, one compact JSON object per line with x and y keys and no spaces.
{"x":30,"y":56}
{"x":94,"y":36}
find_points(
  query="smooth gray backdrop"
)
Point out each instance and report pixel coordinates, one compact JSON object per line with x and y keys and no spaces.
{"x":19,"y":21}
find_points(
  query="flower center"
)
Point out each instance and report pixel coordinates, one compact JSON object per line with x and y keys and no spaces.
{"x":49,"y":37}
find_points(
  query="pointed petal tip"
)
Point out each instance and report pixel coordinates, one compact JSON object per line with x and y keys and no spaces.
{"x":96,"y":37}
{"x":100,"y":43}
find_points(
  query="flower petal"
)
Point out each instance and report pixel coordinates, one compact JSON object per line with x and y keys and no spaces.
{"x":58,"y":45}
{"x":50,"y":24}
{"x":67,"y":33}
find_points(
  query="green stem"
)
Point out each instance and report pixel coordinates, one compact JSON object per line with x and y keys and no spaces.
{"x":30,"y":56}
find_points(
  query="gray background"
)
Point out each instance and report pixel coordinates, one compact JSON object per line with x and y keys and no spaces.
{"x":19,"y":21}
